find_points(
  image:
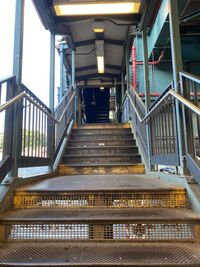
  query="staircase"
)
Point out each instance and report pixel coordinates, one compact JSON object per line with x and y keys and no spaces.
{"x":101,"y":213}
{"x":101,"y":149}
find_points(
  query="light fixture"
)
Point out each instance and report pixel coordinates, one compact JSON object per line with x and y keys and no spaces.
{"x":99,"y":44}
{"x":101,"y":88}
{"x":98,"y":26}
{"x":100,"y":64}
{"x":77,"y":8}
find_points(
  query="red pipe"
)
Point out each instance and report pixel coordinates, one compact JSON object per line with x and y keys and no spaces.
{"x":135,"y":63}
{"x":155,"y":62}
{"x":134,"y":67}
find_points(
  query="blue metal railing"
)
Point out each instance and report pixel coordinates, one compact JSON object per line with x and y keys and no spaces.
{"x":40,"y":132}
{"x":162,"y":118}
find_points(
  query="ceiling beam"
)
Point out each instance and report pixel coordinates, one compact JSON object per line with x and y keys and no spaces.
{"x":91,"y":67}
{"x":129,"y":18}
{"x":98,"y":76}
{"x":92,"y":42}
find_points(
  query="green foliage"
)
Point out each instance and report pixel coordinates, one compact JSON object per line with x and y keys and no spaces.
{"x":33,"y":138}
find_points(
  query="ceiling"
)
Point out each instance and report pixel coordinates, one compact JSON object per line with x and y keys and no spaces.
{"x":78,"y":32}
{"x":117,"y":35}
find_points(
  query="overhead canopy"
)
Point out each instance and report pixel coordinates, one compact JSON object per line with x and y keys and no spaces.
{"x":104,"y":35}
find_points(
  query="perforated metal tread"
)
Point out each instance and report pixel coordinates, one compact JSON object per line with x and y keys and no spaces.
{"x":99,"y":254}
{"x":108,"y":215}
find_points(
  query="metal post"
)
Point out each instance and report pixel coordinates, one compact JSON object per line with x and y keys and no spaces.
{"x":147,"y":90}
{"x":17,"y":71}
{"x":74,"y":85}
{"x":61,"y":70}
{"x":127,"y":70}
{"x":52,"y":72}
{"x":122,"y":85}
{"x":177,"y":67}
{"x":51,"y":133}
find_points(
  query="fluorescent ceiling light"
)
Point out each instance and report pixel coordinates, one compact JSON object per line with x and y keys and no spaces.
{"x":100,"y":64}
{"x":74,"y":8}
{"x":98,"y":26}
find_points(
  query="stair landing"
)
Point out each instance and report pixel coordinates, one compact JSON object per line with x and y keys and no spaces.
{"x":99,"y":183}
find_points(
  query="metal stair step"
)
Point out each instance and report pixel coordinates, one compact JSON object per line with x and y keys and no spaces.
{"x":100,"y":168}
{"x":101,"y":143}
{"x":101,"y":137}
{"x":99,"y":254}
{"x":84,"y":131}
{"x":101,"y":150}
{"x":164,"y":198}
{"x":102,"y":159}
{"x":101,"y":224}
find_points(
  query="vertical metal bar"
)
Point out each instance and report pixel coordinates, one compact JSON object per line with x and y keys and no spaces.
{"x":36,"y":132}
{"x":28,"y":130}
{"x":32,"y":137}
{"x":17,"y":71}
{"x":177,"y":67}
{"x":147,"y":91}
{"x":39,"y":134}
{"x":42,"y":137}
{"x":127,"y":69}
{"x":8,"y":124}
{"x":24,"y":127}
{"x":61,"y":70}
{"x":74,"y":85}
{"x":51,"y":125}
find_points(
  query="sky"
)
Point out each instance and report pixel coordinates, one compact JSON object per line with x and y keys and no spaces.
{"x":36,"y":49}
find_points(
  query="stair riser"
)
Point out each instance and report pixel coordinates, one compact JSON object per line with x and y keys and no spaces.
{"x":101,"y":160}
{"x":99,"y":150}
{"x":93,"y":137}
{"x":108,"y":230}
{"x":71,"y":170}
{"x":101,"y":143}
{"x":148,"y":199}
{"x":101,"y":131}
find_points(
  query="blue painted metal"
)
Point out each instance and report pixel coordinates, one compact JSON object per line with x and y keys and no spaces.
{"x":158,"y":26}
{"x":51,"y":134}
{"x":74,"y":85}
{"x":17,"y":71}
{"x":177,"y":67}
{"x":147,"y":89}
{"x":52,"y":72}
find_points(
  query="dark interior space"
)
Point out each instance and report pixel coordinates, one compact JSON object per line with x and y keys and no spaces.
{"x":96,"y":103}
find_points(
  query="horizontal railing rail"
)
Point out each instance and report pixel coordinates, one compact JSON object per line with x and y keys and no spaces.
{"x":161,"y":120}
{"x":37,"y":127}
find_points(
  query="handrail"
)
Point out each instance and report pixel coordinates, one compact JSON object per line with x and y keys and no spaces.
{"x":7,"y":79}
{"x":172,"y":93}
{"x":190,"y":76}
{"x":64,"y":111}
{"x":18,"y":97}
{"x":65,"y":95}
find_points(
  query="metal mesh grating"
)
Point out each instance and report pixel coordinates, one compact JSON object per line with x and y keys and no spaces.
{"x":174,"y":199}
{"x":119,"y":231}
{"x":134,"y":254}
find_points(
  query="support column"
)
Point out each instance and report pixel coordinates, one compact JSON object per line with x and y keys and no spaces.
{"x":74,"y":85}
{"x":177,"y":67}
{"x":122,"y":85}
{"x":147,"y":90}
{"x":52,"y":72}
{"x":51,"y":133}
{"x":127,"y":69}
{"x":17,"y":71}
{"x":61,"y":71}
